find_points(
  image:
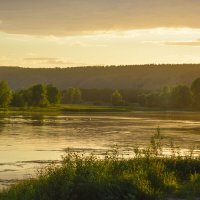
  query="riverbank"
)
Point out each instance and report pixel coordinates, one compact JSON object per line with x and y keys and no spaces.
{"x":85,"y":108}
{"x":150,"y":174}
{"x":81,"y":108}
{"x":82,"y":178}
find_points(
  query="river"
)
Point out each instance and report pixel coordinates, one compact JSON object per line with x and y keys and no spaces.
{"x":31,"y":141}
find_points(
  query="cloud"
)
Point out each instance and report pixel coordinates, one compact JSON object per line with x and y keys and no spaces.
{"x":184,"y":43}
{"x":76,"y":17}
{"x":47,"y":60}
{"x":39,"y":58}
{"x":52,"y":61}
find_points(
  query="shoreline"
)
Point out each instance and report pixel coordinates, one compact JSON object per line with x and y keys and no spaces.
{"x":85,"y":108}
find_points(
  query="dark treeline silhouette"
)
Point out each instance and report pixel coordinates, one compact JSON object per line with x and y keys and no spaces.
{"x":134,"y":77}
{"x":36,"y":95}
{"x":180,"y":97}
{"x":102,"y":96}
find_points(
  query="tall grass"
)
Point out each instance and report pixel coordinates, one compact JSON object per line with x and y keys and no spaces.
{"x":149,"y":174}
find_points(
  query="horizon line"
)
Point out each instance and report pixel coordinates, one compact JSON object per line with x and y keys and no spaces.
{"x":101,"y":66}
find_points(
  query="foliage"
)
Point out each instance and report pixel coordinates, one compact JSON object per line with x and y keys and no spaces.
{"x":116,"y":98}
{"x":72,"y":95}
{"x":195,"y":88}
{"x":98,"y":95}
{"x":148,"y":175}
{"x":33,"y":96}
{"x":20,"y":98}
{"x":38,"y":95}
{"x":181,"y":97}
{"x":53,"y":94}
{"x":165,"y":98}
{"x":192,"y":188}
{"x":129,"y":77}
{"x":76,"y":95}
{"x":5,"y":94}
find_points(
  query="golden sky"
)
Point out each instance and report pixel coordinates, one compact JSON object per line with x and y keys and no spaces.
{"x":61,"y":33}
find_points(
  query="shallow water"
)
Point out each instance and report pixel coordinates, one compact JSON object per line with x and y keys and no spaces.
{"x":27,"y":142}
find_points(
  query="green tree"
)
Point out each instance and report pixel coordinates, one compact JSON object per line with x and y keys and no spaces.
{"x":19,"y":99}
{"x":53,"y":94}
{"x":195,"y":88}
{"x":67,"y":95}
{"x":72,"y":95}
{"x":76,"y":96}
{"x":5,"y":94}
{"x":116,"y":98}
{"x":165,"y":98}
{"x":181,"y":97}
{"x":38,"y":95}
{"x":153,"y":99}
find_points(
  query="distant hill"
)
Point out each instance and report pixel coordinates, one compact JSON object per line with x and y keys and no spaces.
{"x":113,"y":77}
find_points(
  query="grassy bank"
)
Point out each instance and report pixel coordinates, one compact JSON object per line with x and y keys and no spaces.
{"x":82,"y":108}
{"x":64,"y":109}
{"x":148,"y":175}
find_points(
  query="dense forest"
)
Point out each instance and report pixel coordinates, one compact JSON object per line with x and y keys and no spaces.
{"x":147,"y":77}
{"x":180,"y":97}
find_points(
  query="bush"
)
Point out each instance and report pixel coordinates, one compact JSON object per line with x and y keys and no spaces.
{"x":148,"y":175}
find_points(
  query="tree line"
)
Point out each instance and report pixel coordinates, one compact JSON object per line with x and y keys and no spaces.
{"x":180,"y":97}
{"x":132,"y":77}
{"x":41,"y":95}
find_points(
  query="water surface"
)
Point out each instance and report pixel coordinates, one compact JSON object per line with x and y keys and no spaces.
{"x":29,"y":141}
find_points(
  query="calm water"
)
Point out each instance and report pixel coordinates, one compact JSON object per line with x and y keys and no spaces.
{"x":27,"y":142}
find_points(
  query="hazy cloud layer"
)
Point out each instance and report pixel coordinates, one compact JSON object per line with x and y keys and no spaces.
{"x":184,"y":43}
{"x":52,"y":61}
{"x":69,"y":17}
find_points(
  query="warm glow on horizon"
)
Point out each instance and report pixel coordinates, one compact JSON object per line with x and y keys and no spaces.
{"x":76,"y":33}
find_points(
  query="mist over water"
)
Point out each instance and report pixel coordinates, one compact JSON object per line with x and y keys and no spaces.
{"x":30,"y":141}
